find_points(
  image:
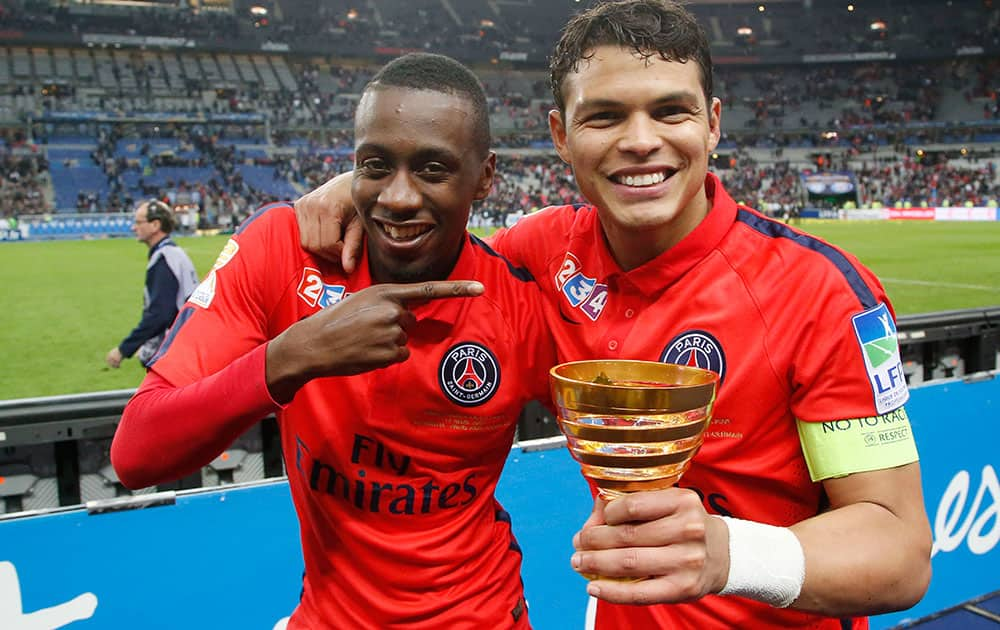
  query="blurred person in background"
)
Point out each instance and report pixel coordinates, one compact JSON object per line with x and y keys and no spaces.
{"x":170,"y":279}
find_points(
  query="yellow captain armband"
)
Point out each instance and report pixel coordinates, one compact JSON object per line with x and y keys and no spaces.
{"x":838,"y":448}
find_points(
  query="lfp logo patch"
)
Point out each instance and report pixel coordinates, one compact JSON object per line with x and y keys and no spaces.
{"x":205,"y":292}
{"x":469,"y":374}
{"x":696,"y":348}
{"x":877,"y":335}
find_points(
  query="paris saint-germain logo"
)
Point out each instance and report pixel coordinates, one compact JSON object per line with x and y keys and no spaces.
{"x":469,"y":374}
{"x":696,"y":348}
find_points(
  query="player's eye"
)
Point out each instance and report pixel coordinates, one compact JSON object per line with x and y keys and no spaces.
{"x":672,"y":113}
{"x":373,"y":166}
{"x":434,"y":170}
{"x":601,"y":118}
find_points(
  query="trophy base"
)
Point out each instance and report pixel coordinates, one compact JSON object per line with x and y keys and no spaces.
{"x":610,"y":489}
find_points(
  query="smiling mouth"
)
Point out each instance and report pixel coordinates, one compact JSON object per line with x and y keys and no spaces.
{"x":403,"y":233}
{"x":643,"y":180}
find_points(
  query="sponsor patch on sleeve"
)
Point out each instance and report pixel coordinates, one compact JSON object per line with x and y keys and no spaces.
{"x":205,"y":293}
{"x":876,"y":332}
{"x":228,"y":253}
{"x":841,"y":447}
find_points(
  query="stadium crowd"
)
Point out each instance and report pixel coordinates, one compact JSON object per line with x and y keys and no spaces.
{"x":866,"y":117}
{"x":524,"y":180}
{"x":911,"y":182}
{"x":24,"y":178}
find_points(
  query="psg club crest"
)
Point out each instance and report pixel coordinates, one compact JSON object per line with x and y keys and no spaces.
{"x":696,"y":348}
{"x":469,"y":374}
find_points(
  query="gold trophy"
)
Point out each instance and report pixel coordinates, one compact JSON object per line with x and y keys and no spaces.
{"x":632,"y":425}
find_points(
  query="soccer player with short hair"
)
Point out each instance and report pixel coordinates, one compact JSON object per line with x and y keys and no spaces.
{"x":397,"y":387}
{"x":803,"y":507}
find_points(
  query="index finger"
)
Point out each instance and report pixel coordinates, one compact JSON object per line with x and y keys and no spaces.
{"x":431,"y":290}
{"x":648,"y":505}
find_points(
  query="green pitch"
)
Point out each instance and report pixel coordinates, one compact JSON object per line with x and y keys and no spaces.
{"x":924,"y":266}
{"x":65,"y":304}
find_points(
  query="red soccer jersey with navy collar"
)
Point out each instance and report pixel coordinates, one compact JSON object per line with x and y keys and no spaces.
{"x":392,"y":472}
{"x":781,"y":316}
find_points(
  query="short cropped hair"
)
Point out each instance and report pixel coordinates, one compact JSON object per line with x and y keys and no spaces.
{"x":159,"y":211}
{"x":649,"y":28}
{"x":438,"y":73}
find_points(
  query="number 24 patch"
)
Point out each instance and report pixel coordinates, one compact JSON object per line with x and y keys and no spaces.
{"x":315,"y":292}
{"x":581,"y":291}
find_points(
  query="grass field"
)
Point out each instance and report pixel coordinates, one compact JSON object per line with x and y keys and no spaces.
{"x":65,"y":304}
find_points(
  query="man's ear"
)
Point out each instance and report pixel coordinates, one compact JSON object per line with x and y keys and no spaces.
{"x":714,"y":123}
{"x":558,"y":130}
{"x":485,"y":184}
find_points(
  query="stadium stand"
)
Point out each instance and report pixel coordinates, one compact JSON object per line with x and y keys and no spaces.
{"x":216,"y":100}
{"x":221,"y":111}
{"x":892,"y":76}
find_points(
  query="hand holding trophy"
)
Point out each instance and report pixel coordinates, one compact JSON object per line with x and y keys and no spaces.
{"x":632,"y":425}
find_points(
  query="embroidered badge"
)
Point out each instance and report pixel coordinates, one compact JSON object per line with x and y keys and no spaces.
{"x":469,"y":374}
{"x":696,"y":348}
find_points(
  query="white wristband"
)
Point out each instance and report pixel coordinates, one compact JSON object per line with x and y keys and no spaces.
{"x":766,"y":563}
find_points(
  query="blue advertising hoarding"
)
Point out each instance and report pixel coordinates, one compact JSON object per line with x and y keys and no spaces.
{"x":230,"y":557}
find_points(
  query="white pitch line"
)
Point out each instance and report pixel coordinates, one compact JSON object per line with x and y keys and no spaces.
{"x":884,"y":351}
{"x":947,"y":285}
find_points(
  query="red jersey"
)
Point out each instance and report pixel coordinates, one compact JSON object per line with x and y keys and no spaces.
{"x":780,"y":315}
{"x":393,"y":471}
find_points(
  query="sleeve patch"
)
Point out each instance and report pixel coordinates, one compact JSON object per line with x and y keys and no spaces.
{"x":838,"y":448}
{"x":876,"y":333}
{"x":228,"y":253}
{"x":205,"y":293}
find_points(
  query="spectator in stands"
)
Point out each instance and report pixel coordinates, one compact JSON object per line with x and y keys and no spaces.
{"x":786,"y":520}
{"x":170,"y":279}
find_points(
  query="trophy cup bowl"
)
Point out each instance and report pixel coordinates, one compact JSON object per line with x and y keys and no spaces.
{"x":632,"y":425}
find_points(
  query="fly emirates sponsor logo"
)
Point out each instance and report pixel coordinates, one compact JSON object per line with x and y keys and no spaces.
{"x":978,"y":524}
{"x":366,"y":485}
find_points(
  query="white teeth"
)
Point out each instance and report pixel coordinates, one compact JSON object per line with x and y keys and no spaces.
{"x":397,"y":233}
{"x":642,"y":180}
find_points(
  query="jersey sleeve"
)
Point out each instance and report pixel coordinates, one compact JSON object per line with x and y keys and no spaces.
{"x":167,"y":432}
{"x":228,"y":313}
{"x":847,"y":362}
{"x":836,"y":329}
